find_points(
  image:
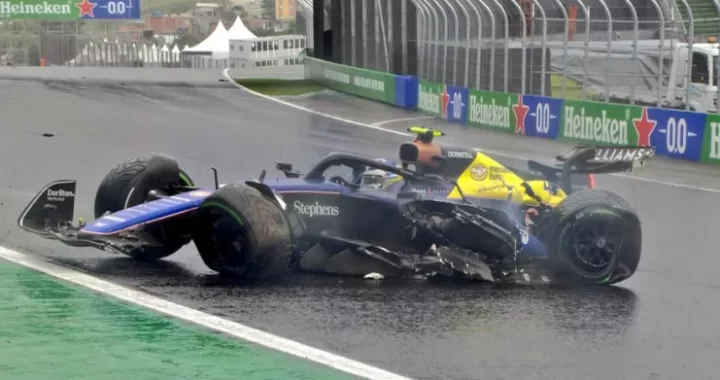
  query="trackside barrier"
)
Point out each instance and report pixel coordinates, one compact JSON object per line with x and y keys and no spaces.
{"x":686,"y":135}
{"x":387,"y":88}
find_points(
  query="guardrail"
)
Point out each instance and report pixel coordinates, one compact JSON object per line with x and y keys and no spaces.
{"x":686,"y":135}
{"x":398,"y":90}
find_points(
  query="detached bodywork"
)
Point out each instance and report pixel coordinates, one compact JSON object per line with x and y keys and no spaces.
{"x":456,"y":212}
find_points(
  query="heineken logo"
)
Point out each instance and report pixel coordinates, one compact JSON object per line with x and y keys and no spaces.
{"x":603,"y":128}
{"x":11,"y":9}
{"x":489,"y":113}
{"x":609,"y":126}
{"x":50,"y":9}
{"x":428,"y":101}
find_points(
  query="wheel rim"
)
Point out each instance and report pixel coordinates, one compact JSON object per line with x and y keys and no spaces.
{"x":596,"y":245}
{"x":229,"y":241}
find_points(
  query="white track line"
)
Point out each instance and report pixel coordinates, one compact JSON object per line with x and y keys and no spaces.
{"x":377,"y":126}
{"x":203,"y":319}
{"x":391,"y":121}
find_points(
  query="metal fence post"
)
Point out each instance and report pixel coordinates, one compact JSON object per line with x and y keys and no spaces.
{"x":479,"y":47}
{"x":424,"y":36}
{"x":435,"y":41}
{"x":456,"y":40}
{"x":507,"y":45}
{"x":586,"y":54}
{"x":424,"y":30}
{"x":467,"y":43}
{"x":609,"y":48}
{"x":353,"y":35}
{"x":493,"y":27}
{"x":543,"y":46}
{"x":377,"y":19}
{"x":379,"y":13}
{"x":364,"y":35}
{"x":523,"y":47}
{"x":445,"y":40}
{"x":691,"y":41}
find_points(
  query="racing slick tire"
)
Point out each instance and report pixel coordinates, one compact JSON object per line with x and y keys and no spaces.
{"x":241,"y":233}
{"x":129,"y":184}
{"x":595,"y":238}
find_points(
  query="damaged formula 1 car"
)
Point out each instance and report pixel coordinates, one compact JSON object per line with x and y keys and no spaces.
{"x":444,"y":211}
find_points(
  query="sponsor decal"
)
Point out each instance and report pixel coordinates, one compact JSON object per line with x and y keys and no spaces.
{"x":456,"y":154}
{"x":200,"y":193}
{"x":542,"y":118}
{"x":478,"y":172}
{"x":644,"y":128}
{"x":520,"y":110}
{"x":609,"y":127}
{"x":428,"y":190}
{"x":316,"y":209}
{"x":608,"y":154}
{"x":429,"y":98}
{"x":496,"y":172}
{"x":454,"y":106}
{"x":445,"y":99}
{"x":86,"y":8}
{"x":492,"y":110}
{"x":59,"y":195}
{"x":678,"y":133}
{"x":713,"y":140}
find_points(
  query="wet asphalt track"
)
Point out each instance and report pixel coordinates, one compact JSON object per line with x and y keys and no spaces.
{"x":660,"y":324}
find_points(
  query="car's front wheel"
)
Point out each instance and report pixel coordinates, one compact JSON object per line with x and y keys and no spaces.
{"x":241,"y":233}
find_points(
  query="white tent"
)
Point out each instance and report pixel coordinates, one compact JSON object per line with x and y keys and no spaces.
{"x":216,"y":44}
{"x":238,"y":31}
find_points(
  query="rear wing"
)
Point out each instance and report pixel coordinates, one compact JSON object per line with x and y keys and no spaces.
{"x":595,"y":160}
{"x":602,"y":160}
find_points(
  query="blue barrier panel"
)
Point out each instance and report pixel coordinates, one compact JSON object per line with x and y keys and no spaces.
{"x":406,"y":93}
{"x":542,"y":118}
{"x":677,"y":134}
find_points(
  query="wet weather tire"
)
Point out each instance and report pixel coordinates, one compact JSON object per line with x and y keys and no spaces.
{"x":241,"y":233}
{"x":129,"y":183}
{"x":596,"y":238}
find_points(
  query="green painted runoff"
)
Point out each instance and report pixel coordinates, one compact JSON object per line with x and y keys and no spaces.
{"x":53,"y":330}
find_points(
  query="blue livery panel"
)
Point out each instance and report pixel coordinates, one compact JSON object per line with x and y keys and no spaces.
{"x":147,"y":212}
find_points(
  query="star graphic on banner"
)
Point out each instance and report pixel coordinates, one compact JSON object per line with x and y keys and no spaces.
{"x":445,"y":99}
{"x":520,"y":110}
{"x":644,"y":127}
{"x":86,"y":8}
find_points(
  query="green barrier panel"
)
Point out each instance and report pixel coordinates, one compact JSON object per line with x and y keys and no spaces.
{"x":429,"y":97}
{"x":360,"y":82}
{"x":493,"y":110}
{"x":711,"y":140}
{"x":599,"y":123}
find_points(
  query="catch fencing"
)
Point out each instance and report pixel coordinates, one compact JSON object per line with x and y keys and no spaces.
{"x":640,"y":52}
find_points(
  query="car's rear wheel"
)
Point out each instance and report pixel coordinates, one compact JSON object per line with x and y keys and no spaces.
{"x":596,"y":238}
{"x":129,"y":184}
{"x":241,"y":233}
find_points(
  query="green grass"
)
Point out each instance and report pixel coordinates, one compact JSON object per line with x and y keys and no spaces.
{"x":281,"y":87}
{"x":573,"y":89}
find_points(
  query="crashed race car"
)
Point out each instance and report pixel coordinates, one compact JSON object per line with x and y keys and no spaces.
{"x":442,"y":211}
